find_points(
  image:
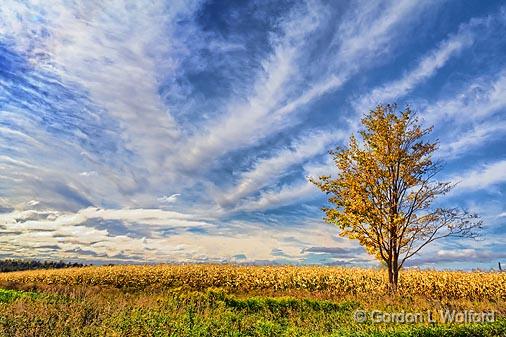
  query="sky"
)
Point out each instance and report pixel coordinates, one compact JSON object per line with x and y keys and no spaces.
{"x":186,"y":130}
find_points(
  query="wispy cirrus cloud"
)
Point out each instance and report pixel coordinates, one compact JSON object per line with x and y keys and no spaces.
{"x":483,"y":176}
{"x":249,"y":118}
{"x":274,"y":96}
{"x":300,"y":190}
{"x":479,"y":99}
{"x":475,"y":113}
{"x":269,"y":170}
{"x":356,"y":40}
{"x":426,"y":67}
{"x":111,"y":55}
{"x":478,"y":136}
{"x":365,"y":35}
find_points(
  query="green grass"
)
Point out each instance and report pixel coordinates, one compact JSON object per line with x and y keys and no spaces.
{"x":180,"y":312}
{"x":7,"y":296}
{"x":495,"y":329}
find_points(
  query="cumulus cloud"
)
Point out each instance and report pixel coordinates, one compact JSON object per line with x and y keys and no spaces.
{"x":64,"y":234}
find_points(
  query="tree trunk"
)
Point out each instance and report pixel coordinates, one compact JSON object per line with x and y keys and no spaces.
{"x":393,"y":274}
{"x":395,"y":271}
{"x":395,"y":278}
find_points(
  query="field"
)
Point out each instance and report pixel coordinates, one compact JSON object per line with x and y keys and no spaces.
{"x":226,"y":300}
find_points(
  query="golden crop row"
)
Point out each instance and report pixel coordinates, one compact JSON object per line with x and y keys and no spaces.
{"x":341,"y":281}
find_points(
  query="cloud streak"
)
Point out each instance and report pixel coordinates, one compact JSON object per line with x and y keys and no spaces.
{"x":481,"y":177}
{"x":426,"y":67}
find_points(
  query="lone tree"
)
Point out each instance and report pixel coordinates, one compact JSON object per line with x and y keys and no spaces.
{"x":384,"y":190}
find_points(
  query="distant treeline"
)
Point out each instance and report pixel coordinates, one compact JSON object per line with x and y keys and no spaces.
{"x":15,"y":265}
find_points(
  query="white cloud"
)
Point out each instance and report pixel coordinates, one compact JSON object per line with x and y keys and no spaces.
{"x":298,"y":191}
{"x":114,"y":52}
{"x":32,"y":203}
{"x":169,"y":198}
{"x":269,"y":170}
{"x":426,"y":67}
{"x":248,"y":120}
{"x":368,"y":31}
{"x":286,"y":195}
{"x":474,"y":113}
{"x":119,"y":54}
{"x":50,"y":219}
{"x":478,"y":136}
{"x":358,"y":45}
{"x":51,"y":234}
{"x":88,"y":173}
{"x":481,"y":177}
{"x":473,"y":255}
{"x":479,"y":99}
{"x":120,"y":57}
{"x":352,"y":43}
{"x":268,"y":109}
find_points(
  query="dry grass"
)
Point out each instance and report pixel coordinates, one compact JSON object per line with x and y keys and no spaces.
{"x":474,"y":286}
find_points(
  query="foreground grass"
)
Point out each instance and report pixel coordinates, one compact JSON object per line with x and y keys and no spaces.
{"x":92,"y":311}
{"x":92,"y":302}
{"x":7,"y":296}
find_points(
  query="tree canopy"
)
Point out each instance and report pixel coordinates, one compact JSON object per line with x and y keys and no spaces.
{"x":384,"y":190}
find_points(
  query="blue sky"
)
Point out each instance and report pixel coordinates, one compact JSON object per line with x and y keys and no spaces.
{"x":185,"y":131}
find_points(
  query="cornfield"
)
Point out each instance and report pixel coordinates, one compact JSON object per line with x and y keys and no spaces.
{"x":476,"y":285}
